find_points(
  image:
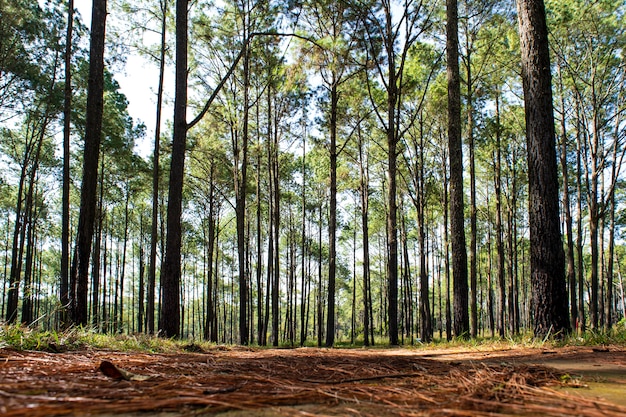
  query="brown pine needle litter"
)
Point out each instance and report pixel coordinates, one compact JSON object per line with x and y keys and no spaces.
{"x":285,"y":382}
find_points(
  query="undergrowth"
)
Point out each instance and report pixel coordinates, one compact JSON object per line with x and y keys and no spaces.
{"x":77,"y":338}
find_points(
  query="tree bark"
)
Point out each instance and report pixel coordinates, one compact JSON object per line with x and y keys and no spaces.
{"x":169,"y":325}
{"x":364,"y":194}
{"x":499,"y":232}
{"x":547,"y":261}
{"x":93,"y":133}
{"x":571,"y":271}
{"x":241,"y":181}
{"x":154,"y":232}
{"x":65,"y":199}
{"x":457,"y":226}
{"x":580,"y":277}
{"x":332,"y":218}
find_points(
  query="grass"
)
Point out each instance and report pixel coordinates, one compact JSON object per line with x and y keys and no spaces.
{"x":77,"y":338}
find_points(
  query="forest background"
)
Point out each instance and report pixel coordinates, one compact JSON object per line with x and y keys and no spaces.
{"x":285,"y":208}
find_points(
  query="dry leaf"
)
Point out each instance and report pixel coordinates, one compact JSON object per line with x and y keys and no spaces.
{"x":112,"y":371}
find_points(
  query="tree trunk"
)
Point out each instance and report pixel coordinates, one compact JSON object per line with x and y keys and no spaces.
{"x":303,"y":242}
{"x":473,"y":211}
{"x":123,"y":266}
{"x":27,"y":299}
{"x":446,"y":243}
{"x":141,"y":285}
{"x":567,"y":211}
{"x":93,"y":133}
{"x":579,"y":234}
{"x":332,"y":219}
{"x":364,"y":194}
{"x":169,"y":325}
{"x":95,"y":271}
{"x":209,"y":326}
{"x":261,"y":329}
{"x":18,"y":244}
{"x":276,"y":224}
{"x":425,"y":316}
{"x":612,"y":208}
{"x":65,"y":199}
{"x":240,"y":203}
{"x":154,"y":232}
{"x":457,"y":226}
{"x":392,"y":205}
{"x":499,"y":232}
{"x":547,"y":263}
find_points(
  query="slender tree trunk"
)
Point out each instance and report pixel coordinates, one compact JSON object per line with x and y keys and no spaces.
{"x":567,"y":211}
{"x":392,"y":205}
{"x":65,"y":199}
{"x":123,"y":266}
{"x":303,"y":244}
{"x":425,"y":315}
{"x":612,"y":208}
{"x":141,"y":285}
{"x":608,"y":323}
{"x":547,"y":261}
{"x":579,"y":235}
{"x":95,"y":271}
{"x":513,"y":247}
{"x":27,"y":299}
{"x":241,"y":181}
{"x":457,"y":226}
{"x":320,"y":304}
{"x":332,"y":219}
{"x":446,"y":210}
{"x":93,"y":131}
{"x":169,"y":324}
{"x":104,"y":311}
{"x":473,"y":210}
{"x":19,"y":234}
{"x":364,"y":194}
{"x":490,"y":295}
{"x":499,"y":232}
{"x":209,"y":332}
{"x":276,"y":224}
{"x":407,"y":283}
{"x":594,"y":219}
{"x":353,"y":309}
{"x":154,"y":232}
{"x":259,"y":252}
{"x":621,"y":287}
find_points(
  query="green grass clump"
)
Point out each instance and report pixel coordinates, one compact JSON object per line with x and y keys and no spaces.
{"x":76,"y":338}
{"x":615,"y":336}
{"x":26,"y":338}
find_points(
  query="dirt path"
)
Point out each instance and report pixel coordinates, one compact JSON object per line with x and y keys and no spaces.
{"x":316,"y":382}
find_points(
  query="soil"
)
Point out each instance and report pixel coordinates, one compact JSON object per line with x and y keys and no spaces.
{"x":569,"y":381}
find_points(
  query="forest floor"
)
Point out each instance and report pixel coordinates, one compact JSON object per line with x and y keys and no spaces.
{"x":235,"y":381}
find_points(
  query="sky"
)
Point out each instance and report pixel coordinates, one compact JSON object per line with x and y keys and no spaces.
{"x":138,"y":81}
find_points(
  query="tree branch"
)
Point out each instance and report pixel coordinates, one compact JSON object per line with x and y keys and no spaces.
{"x":231,"y":69}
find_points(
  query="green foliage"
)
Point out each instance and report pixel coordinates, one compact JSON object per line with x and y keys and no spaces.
{"x":617,"y":336}
{"x":26,"y":338}
{"x":77,"y":338}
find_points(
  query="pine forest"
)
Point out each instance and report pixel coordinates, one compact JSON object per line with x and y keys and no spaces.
{"x":318,"y":172}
